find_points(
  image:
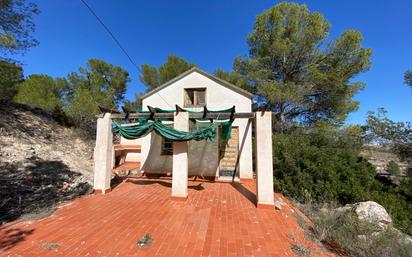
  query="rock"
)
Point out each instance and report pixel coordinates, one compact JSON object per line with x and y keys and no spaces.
{"x":372,"y":212}
{"x":278,"y":205}
{"x":65,"y":186}
{"x":28,"y":175}
{"x":344,"y":208}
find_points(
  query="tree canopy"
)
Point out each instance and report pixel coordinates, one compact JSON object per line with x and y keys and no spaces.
{"x":17,"y":26}
{"x":42,"y":91}
{"x":381,"y":129}
{"x":153,"y":76}
{"x":408,"y":78}
{"x":294,"y":71}
{"x":10,"y":75}
{"x":99,"y":83}
{"x":133,"y":105}
{"x":235,"y":78}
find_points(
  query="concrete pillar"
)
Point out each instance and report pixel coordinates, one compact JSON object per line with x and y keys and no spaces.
{"x":180,"y":159}
{"x":103,"y":155}
{"x":264,"y":160}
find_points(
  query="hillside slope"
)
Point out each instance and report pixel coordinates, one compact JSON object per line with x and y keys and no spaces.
{"x":380,"y":156}
{"x":42,"y":163}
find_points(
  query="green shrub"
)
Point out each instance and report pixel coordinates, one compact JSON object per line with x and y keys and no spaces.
{"x":10,"y":75}
{"x":397,"y":206}
{"x":322,"y":164}
{"x":393,"y":168}
{"x":358,"y":238}
{"x":42,"y":91}
{"x":409,"y":172}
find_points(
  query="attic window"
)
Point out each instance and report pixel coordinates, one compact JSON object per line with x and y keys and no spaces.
{"x":195,"y":97}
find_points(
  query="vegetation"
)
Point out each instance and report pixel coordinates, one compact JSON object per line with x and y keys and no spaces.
{"x":355,"y":237}
{"x":309,"y":84}
{"x":393,"y":168}
{"x":291,"y":72}
{"x":10,"y":75}
{"x":42,"y":91}
{"x":398,"y":135}
{"x":153,"y":77}
{"x":322,"y":164}
{"x":100,"y":83}
{"x":235,"y":78}
{"x":408,"y":78}
{"x":17,"y":26}
{"x":75,"y":100}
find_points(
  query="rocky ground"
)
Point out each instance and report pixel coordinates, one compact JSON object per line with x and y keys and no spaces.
{"x":42,"y":163}
{"x":380,"y":156}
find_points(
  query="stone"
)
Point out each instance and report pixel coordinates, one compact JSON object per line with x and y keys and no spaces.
{"x":278,"y":205}
{"x":372,"y":212}
{"x":65,"y":186}
{"x":344,"y":208}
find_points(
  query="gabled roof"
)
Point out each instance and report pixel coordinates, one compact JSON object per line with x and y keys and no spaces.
{"x":204,"y":73}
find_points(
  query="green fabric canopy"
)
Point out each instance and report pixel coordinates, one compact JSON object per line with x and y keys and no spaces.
{"x":142,"y":129}
{"x":145,"y":127}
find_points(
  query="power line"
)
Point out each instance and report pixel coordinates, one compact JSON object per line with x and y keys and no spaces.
{"x":118,"y":43}
{"x":120,"y":46}
{"x":111,"y":35}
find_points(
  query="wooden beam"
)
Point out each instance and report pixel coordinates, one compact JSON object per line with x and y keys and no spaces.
{"x":221,"y":115}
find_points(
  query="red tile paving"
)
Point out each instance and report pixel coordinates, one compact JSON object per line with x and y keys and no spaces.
{"x":128,"y":166}
{"x":217,"y":219}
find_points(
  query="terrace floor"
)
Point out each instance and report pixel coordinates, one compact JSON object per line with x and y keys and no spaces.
{"x":217,"y":219}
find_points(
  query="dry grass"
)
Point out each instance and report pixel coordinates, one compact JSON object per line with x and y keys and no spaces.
{"x":301,"y":250}
{"x":342,"y":232}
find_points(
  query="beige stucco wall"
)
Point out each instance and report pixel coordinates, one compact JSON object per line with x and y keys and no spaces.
{"x":203,"y":156}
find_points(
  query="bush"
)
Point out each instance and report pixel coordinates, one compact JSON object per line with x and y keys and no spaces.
{"x":322,"y":164}
{"x":393,"y":168}
{"x":10,"y":75}
{"x":42,"y":91}
{"x":358,"y":238}
{"x":397,"y":206}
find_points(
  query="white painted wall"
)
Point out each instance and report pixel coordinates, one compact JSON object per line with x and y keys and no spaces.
{"x":203,"y":156}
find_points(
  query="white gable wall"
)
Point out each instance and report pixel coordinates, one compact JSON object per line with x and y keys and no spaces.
{"x":203,"y":156}
{"x":217,"y":96}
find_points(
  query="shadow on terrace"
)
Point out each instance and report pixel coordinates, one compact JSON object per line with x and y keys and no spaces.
{"x":32,"y":189}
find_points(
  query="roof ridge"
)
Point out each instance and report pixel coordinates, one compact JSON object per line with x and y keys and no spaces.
{"x":204,"y":73}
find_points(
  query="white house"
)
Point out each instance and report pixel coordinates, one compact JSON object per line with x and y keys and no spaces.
{"x":230,"y":158}
{"x":221,"y":159}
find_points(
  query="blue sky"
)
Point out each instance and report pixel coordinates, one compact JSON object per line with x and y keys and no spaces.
{"x":212,"y":33}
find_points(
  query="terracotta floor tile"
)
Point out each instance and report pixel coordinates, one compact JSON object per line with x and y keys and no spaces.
{"x":217,"y":219}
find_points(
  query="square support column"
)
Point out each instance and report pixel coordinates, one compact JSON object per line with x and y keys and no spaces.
{"x":103,"y":155}
{"x":180,"y":159}
{"x":264,"y":160}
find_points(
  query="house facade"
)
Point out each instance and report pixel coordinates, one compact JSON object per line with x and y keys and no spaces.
{"x":220,"y":158}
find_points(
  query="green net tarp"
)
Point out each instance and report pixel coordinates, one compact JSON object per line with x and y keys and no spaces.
{"x":139,"y":130}
{"x":145,"y":127}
